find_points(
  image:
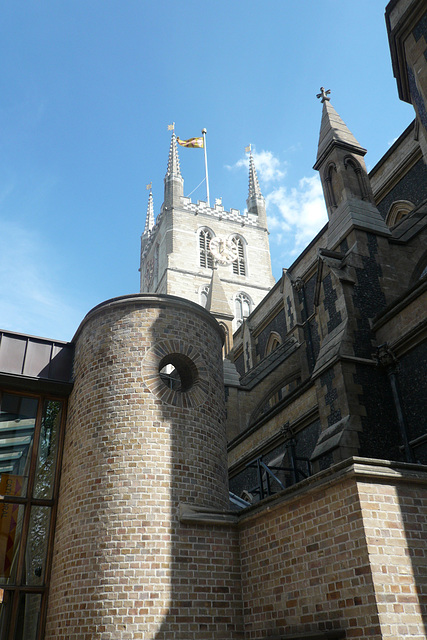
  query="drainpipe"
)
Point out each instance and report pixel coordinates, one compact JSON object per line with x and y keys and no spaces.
{"x":386,"y":358}
{"x":299,"y":285}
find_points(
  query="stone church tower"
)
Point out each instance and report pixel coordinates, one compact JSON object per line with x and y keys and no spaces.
{"x":176,"y":255}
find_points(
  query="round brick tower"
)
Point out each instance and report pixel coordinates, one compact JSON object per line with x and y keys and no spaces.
{"x":145,"y":432}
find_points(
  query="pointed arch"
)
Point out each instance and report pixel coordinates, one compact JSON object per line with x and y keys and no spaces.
{"x":156,"y":264}
{"x":205,"y":236}
{"x":240,"y":265}
{"x":330,"y":182}
{"x":275,"y":394}
{"x":398,"y":210}
{"x":226,"y":347}
{"x":203,"y":295}
{"x":274,"y":341}
{"x":358,"y":182}
{"x":243,"y":306}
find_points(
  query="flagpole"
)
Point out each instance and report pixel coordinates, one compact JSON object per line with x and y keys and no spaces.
{"x":204,"y":132}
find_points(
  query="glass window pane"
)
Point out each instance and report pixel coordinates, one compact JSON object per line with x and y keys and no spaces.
{"x":17,"y":423}
{"x":6,"y":598}
{"x":48,"y":450}
{"x":28,"y":616}
{"x":35,"y":553}
{"x":11,"y":516}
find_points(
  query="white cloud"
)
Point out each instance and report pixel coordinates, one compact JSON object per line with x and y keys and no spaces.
{"x":30,"y":298}
{"x":269,"y":168}
{"x":295,"y":215}
{"x":299,"y":212}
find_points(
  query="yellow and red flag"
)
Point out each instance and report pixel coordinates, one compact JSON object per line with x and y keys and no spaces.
{"x":191,"y":143}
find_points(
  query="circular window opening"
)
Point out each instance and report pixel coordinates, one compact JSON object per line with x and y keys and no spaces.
{"x":178,"y":372}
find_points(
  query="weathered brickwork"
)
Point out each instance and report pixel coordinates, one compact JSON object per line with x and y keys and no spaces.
{"x":305,"y":568}
{"x":346,"y":554}
{"x":123,"y":565}
{"x":395,"y":523}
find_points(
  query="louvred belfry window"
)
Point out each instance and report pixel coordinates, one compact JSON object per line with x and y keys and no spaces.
{"x":239,"y":265}
{"x":206,"y":259}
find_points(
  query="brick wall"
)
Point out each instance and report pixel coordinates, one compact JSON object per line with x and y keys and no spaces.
{"x":124,"y":567}
{"x":341,"y":552}
{"x":395,"y":521}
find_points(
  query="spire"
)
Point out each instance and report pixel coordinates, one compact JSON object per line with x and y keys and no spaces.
{"x":149,"y":220}
{"x":346,"y":186}
{"x":254,"y":188}
{"x":217,"y":301}
{"x":333,"y":131}
{"x":255,"y":201}
{"x":174,"y":183}
{"x":173,"y":161}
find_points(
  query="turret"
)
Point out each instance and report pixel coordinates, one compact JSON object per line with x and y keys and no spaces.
{"x":149,"y":220}
{"x":255,"y":201}
{"x":346,"y":187}
{"x":174,"y":182}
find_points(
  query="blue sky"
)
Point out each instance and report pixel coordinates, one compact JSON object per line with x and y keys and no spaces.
{"x":87,"y":89}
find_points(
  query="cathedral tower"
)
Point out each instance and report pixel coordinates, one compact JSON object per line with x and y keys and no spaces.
{"x":176,"y":256}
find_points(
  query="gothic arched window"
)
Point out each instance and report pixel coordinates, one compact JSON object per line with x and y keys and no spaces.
{"x":205,"y":256}
{"x":274,"y":341}
{"x":226,"y":347}
{"x":156,"y":265}
{"x":330,"y":180}
{"x":357,"y":181}
{"x":398,"y":210}
{"x":204,"y":292}
{"x":242,"y":306}
{"x":239,"y":265}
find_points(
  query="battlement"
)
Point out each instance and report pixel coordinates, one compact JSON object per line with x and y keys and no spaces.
{"x":201,"y":208}
{"x":219,"y":212}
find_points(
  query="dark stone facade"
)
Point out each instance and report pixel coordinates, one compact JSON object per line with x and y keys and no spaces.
{"x":412,"y":187}
{"x":278,"y":324}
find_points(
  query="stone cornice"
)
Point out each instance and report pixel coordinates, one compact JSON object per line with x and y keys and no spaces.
{"x":359,"y":469}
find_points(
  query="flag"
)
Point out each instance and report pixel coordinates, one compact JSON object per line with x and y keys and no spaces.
{"x":148,"y":186}
{"x":192,"y":143}
{"x":248,"y":149}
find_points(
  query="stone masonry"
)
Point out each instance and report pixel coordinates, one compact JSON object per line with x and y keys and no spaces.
{"x":135,"y":450}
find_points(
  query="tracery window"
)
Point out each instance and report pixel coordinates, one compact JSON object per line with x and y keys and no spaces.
{"x":243,"y":307}
{"x":239,"y":265}
{"x":205,"y":256}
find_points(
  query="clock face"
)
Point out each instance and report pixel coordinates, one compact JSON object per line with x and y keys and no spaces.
{"x":149,"y":274}
{"x":224,"y":249}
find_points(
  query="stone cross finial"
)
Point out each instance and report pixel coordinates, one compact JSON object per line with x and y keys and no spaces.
{"x":323,"y":94}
